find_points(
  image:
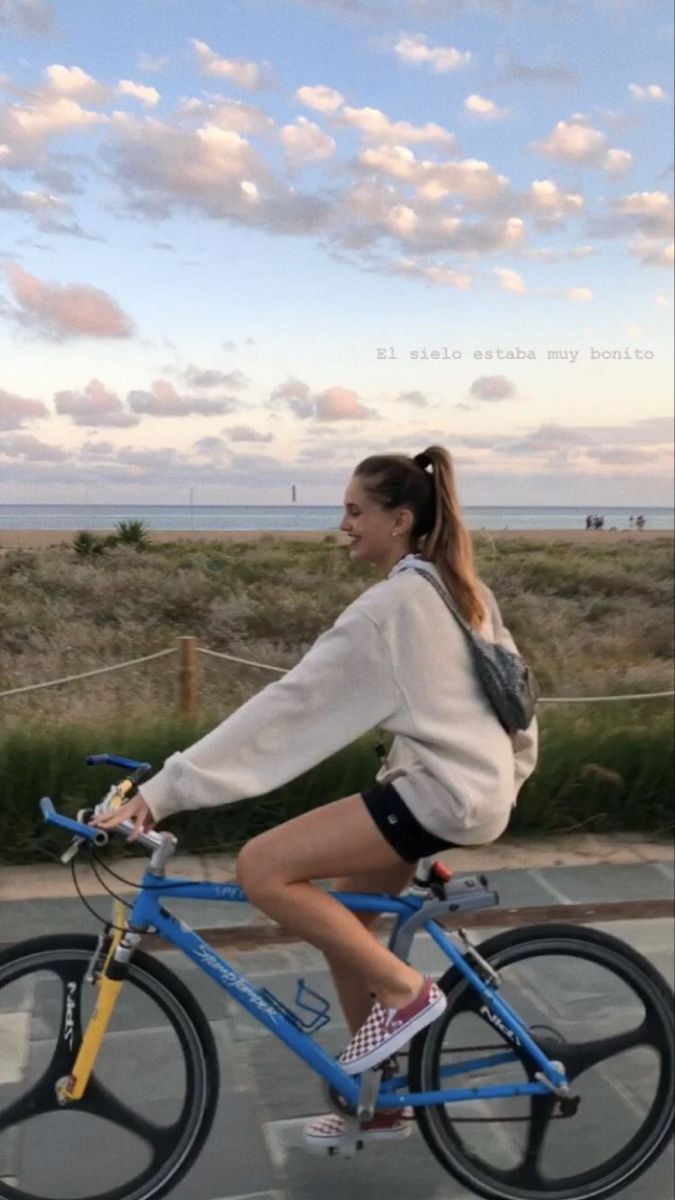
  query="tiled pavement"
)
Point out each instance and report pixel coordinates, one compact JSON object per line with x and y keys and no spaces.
{"x":254,"y":1151}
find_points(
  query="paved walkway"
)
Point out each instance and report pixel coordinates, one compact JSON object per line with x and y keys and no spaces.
{"x":50,"y":880}
{"x":255,"y":1151}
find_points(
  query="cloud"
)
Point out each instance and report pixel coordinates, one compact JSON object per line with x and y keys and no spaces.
{"x":479,"y":106}
{"x":244,"y":433}
{"x":413,"y":48}
{"x":26,"y":128}
{"x":417,"y":399}
{"x":510,"y":281}
{"x":248,"y":75}
{"x":436,"y":273}
{"x":619,"y":455}
{"x":213,"y":170}
{"x":377,"y":126}
{"x":66,"y":310}
{"x":578,"y":143}
{"x":95,"y":406}
{"x":31,"y":449}
{"x":333,"y":404}
{"x":210,"y":447}
{"x":652,"y":91}
{"x":34,"y":18}
{"x":341,"y":404}
{"x":306,"y":142}
{"x":514,"y":71}
{"x":549,"y":205}
{"x":210,"y":377}
{"x":296,"y":395}
{"x":617,"y":161}
{"x":139,"y":91}
{"x":321,"y":98}
{"x":580,"y":295}
{"x":152,"y":62}
{"x":654,"y":254}
{"x":650,"y":212}
{"x":470,"y":178}
{"x":234,"y":115}
{"x":549,"y":437}
{"x":76,"y":84}
{"x":164,"y":401}
{"x":493,"y":388}
{"x":16,"y":410}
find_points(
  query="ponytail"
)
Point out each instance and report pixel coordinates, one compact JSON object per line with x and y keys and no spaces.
{"x":447,"y":544}
{"x":426,"y":485}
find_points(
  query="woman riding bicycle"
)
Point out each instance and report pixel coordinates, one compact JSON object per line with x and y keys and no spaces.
{"x":396,"y":658}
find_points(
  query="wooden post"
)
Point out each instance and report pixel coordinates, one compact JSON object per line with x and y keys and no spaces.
{"x":187,"y":676}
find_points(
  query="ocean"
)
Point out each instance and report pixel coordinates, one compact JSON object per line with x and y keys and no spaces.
{"x":288,"y":517}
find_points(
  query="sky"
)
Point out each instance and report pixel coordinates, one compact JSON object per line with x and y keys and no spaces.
{"x":246,"y":243}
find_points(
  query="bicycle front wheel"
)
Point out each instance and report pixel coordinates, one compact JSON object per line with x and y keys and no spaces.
{"x":595,"y":1005}
{"x":150,"y":1101}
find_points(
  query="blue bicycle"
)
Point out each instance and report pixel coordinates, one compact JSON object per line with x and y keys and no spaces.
{"x":549,"y":1076}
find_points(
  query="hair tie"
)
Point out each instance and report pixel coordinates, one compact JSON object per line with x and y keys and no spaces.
{"x":422,"y":459}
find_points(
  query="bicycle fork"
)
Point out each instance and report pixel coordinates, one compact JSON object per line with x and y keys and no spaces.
{"x":107,"y":971}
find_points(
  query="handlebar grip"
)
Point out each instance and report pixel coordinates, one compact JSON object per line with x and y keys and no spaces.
{"x":98,"y":836}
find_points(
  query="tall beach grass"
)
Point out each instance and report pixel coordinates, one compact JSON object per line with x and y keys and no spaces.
{"x":592,"y":619}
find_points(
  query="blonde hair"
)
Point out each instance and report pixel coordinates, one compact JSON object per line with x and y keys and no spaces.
{"x":425,"y":483}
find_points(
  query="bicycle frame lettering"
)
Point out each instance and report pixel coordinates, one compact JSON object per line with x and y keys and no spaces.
{"x":148,"y":913}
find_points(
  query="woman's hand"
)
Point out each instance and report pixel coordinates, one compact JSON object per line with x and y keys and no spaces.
{"x":135,"y":810}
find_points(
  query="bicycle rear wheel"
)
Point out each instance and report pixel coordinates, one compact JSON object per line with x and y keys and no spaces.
{"x":595,"y":1005}
{"x":149,"y":1104}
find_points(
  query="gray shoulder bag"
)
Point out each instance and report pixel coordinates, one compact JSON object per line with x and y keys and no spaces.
{"x":506,"y":679}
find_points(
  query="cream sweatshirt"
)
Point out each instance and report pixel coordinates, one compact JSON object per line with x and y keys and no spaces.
{"x":395,"y":658}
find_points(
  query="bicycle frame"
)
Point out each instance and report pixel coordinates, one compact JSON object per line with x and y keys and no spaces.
{"x":148,"y":913}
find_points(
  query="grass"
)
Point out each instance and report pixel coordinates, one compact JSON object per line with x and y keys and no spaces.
{"x":592,"y":619}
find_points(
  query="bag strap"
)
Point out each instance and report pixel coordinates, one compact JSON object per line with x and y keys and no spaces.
{"x":449,"y":602}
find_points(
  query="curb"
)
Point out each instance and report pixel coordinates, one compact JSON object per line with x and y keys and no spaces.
{"x":50,"y":881}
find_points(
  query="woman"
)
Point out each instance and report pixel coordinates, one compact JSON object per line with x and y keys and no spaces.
{"x":395,"y":658}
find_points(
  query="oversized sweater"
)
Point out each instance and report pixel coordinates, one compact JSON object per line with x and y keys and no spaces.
{"x":395,"y":658}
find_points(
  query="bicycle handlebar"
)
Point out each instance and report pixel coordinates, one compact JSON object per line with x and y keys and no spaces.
{"x":150,"y":840}
{"x":140,"y":769}
{"x":98,"y":836}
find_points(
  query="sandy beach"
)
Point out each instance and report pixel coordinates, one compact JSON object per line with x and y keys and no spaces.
{"x":36,"y":539}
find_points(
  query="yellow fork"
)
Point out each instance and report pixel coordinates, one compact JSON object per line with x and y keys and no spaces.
{"x":73,"y":1086}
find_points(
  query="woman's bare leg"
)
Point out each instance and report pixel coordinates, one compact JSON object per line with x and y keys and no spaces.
{"x":355,"y":992}
{"x":339,"y":839}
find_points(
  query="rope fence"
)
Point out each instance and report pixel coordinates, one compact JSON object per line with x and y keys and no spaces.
{"x":188,"y":648}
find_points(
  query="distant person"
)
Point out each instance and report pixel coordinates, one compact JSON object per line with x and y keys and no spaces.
{"x":589,"y":522}
{"x":640,"y":522}
{"x":395,"y":658}
{"x":631,"y":522}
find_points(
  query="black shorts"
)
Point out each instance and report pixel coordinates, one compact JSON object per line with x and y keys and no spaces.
{"x":398,"y":826}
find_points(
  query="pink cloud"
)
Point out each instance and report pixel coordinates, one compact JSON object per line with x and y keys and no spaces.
{"x":15,"y":410}
{"x":66,"y":310}
{"x":95,"y":406}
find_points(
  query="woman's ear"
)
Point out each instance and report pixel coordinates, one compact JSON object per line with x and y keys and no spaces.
{"x":404,"y":521}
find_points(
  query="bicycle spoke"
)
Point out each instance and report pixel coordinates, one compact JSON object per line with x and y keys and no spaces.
{"x":101,"y":1102}
{"x":41,"y":1096}
{"x":541,"y":1114}
{"x":578,"y":1057}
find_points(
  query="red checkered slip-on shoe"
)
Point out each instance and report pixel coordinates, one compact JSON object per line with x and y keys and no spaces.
{"x":386,"y":1030}
{"x":329,"y":1132}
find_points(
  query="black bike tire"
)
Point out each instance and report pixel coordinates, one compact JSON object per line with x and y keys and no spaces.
{"x":453,"y":978}
{"x":195,"y":1020}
